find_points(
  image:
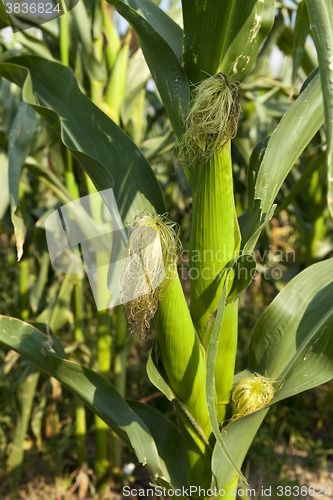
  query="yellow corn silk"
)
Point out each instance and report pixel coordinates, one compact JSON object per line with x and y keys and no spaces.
{"x":150,"y":262}
{"x":212,"y":120}
{"x":252,"y":394}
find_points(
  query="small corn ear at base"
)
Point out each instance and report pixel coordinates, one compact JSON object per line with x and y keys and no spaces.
{"x":252,"y":394}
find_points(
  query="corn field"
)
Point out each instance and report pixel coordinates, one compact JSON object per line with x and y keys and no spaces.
{"x":166,"y":228}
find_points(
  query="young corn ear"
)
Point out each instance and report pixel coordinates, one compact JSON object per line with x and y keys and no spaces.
{"x":215,"y":237}
{"x":252,"y":394}
{"x":212,"y":120}
{"x":151,"y":257}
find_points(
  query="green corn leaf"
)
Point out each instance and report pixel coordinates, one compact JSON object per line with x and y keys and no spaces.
{"x":38,"y":290}
{"x":155,"y":375}
{"x":20,"y":140}
{"x":321,"y":18}
{"x":115,"y":90}
{"x":168,"y":441}
{"x":95,"y":70}
{"x":302,"y":28}
{"x":250,"y":24}
{"x":237,"y":437}
{"x":137,"y":76}
{"x":228,"y":32}
{"x":4,"y":21}
{"x":161,"y":43}
{"x":41,"y":346}
{"x":210,"y":378}
{"x":4,"y":198}
{"x":270,"y":163}
{"x":291,"y":342}
{"x":206,"y":28}
{"x":106,"y":153}
{"x":243,"y":271}
{"x":33,"y":44}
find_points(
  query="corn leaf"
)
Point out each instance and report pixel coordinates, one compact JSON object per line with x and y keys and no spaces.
{"x":250,"y":24}
{"x":160,"y":39}
{"x":228,"y":32}
{"x":292,"y":342}
{"x":302,"y":28}
{"x":41,"y":346}
{"x":270,"y":162}
{"x":4,"y":198}
{"x":106,"y":153}
{"x":20,"y":140}
{"x":238,"y":437}
{"x":26,"y":393}
{"x":210,"y":379}
{"x":321,"y":18}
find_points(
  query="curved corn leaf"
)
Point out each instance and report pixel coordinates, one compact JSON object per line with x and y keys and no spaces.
{"x":321,"y":18}
{"x":4,"y":198}
{"x":168,"y":441}
{"x":161,"y":43}
{"x":42,"y":347}
{"x":228,"y":32}
{"x":105,"y":152}
{"x":250,"y":24}
{"x":20,"y":140}
{"x":292,"y":342}
{"x":271,"y":162}
{"x":238,"y":437}
{"x":302,"y":28}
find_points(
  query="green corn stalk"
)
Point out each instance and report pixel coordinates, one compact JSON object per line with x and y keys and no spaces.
{"x":120,"y":368}
{"x":80,"y":412}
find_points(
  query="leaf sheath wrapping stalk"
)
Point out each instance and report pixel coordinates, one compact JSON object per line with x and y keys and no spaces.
{"x":214,"y":242}
{"x":184,"y":363}
{"x":225,"y":359}
{"x":182,"y":356}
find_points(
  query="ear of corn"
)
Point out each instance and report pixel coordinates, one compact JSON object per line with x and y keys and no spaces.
{"x":225,"y":360}
{"x":214,"y":238}
{"x":149,"y":267}
{"x":252,"y":394}
{"x":214,"y":242}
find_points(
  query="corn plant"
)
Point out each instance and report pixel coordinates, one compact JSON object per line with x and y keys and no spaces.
{"x":197,"y":72}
